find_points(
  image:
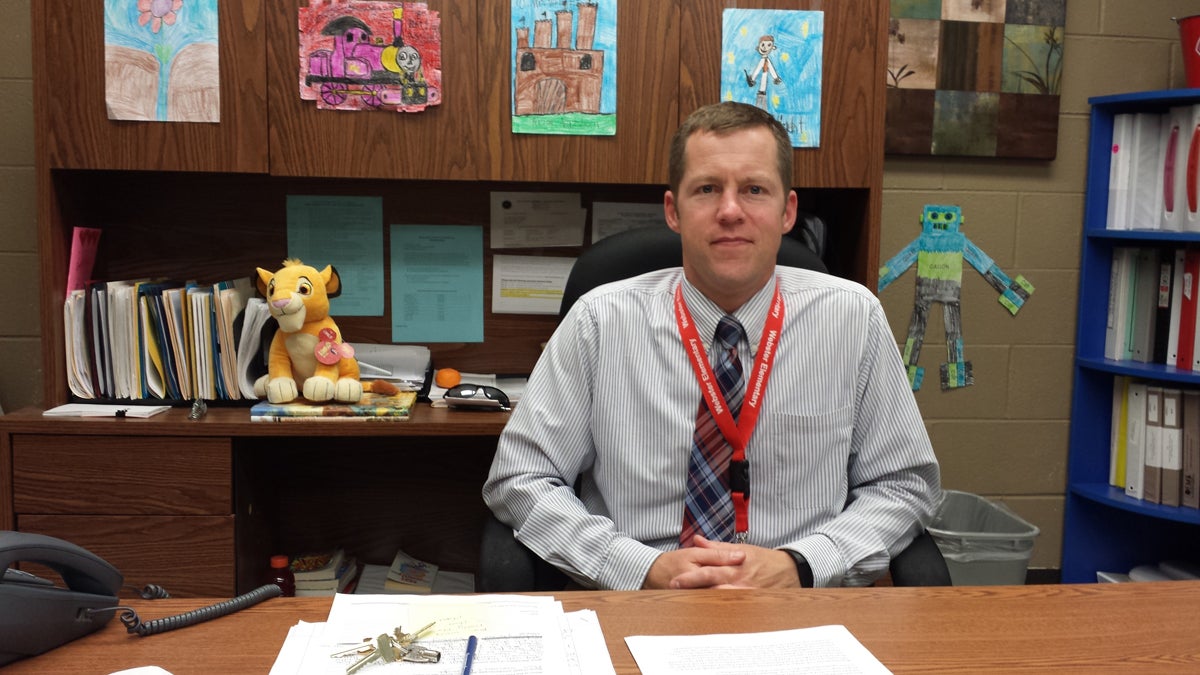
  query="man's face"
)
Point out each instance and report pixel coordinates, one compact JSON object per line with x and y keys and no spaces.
{"x":731,"y":211}
{"x":766,"y":46}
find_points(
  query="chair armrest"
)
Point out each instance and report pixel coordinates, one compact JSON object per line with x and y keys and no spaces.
{"x":921,"y":564}
{"x":507,"y":566}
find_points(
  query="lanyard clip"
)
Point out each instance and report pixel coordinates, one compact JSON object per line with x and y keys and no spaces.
{"x":739,"y":477}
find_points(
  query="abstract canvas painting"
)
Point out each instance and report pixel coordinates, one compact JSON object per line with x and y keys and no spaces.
{"x":974,"y":77}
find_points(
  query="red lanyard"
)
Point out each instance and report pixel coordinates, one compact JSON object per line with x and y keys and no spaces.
{"x":736,"y":433}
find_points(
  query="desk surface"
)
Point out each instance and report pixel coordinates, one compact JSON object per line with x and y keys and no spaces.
{"x":1119,"y":628}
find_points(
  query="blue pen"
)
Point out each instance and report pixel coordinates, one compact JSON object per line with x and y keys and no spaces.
{"x":472,"y":643}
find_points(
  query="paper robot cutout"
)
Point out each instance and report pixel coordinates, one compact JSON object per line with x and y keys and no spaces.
{"x":939,"y":252}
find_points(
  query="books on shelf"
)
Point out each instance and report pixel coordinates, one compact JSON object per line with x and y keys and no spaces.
{"x":154,"y":339}
{"x":317,"y":565}
{"x":1150,"y":168}
{"x":409,"y":575}
{"x":324,"y":572}
{"x":373,"y":580}
{"x":381,"y":407}
{"x":1154,"y":453}
{"x":1153,"y":313}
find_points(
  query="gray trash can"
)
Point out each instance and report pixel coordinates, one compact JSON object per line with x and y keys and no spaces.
{"x":983,"y":542}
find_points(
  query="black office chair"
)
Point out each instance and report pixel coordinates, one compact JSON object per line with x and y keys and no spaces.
{"x":506,"y":565}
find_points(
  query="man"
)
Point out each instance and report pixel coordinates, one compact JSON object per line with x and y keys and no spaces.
{"x":841,"y":473}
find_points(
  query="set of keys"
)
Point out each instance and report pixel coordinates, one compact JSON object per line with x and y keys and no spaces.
{"x":385,"y":648}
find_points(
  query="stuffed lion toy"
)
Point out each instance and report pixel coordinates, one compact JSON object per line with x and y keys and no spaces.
{"x":307,"y":354}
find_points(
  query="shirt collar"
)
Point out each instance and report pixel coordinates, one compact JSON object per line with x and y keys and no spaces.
{"x":706,"y":313}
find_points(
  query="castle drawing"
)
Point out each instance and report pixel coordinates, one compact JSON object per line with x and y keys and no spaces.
{"x":563,"y":77}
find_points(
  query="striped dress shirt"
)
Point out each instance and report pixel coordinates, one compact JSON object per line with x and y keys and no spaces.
{"x":841,"y":468}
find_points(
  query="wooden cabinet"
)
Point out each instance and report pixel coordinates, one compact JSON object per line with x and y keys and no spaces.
{"x":199,"y":506}
{"x":207,"y":201}
{"x":159,"y":508}
{"x":446,"y":141}
{"x":71,"y":122}
{"x":647,"y":103}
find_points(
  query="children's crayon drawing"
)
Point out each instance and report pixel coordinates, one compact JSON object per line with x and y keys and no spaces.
{"x":773,"y":59}
{"x":564,"y":81}
{"x":161,"y":60}
{"x":368,"y":55}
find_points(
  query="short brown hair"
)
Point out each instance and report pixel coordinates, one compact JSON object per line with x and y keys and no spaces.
{"x":724,"y":117}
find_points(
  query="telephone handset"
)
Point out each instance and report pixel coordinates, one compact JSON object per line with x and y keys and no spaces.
{"x":36,"y":615}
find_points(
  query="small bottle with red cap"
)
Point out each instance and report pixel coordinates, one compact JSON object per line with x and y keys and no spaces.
{"x":281,"y":575}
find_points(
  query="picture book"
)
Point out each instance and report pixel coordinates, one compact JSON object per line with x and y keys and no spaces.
{"x":317,"y":566}
{"x":347,"y":573}
{"x":397,"y":406}
{"x":409,"y":575}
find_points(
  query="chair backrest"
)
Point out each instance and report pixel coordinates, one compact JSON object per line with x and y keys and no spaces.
{"x":645,"y":249}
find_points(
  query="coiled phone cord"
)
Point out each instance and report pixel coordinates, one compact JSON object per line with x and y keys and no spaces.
{"x":133,"y":624}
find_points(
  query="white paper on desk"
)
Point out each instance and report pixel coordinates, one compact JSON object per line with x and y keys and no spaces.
{"x":517,"y":634}
{"x":830,"y":650}
{"x":528,"y":284}
{"x":99,"y":410}
{"x":536,"y":219}
{"x":587,"y":653}
{"x":609,"y":218}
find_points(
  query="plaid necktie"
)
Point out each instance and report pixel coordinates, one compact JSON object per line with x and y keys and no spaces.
{"x":708,"y":506}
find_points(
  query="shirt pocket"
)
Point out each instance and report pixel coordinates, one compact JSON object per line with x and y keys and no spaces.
{"x":801,"y":461}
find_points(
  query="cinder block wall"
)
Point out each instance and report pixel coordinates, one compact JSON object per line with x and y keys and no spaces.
{"x":20,"y":370}
{"x":1006,"y":436}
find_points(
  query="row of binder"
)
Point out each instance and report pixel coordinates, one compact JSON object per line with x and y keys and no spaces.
{"x":1154,"y":177}
{"x":1155,"y":443}
{"x":169,"y":340}
{"x":1154,"y":307}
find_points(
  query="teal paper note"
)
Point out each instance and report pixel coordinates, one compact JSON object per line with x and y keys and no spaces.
{"x":346,"y":232}
{"x":437,"y":283}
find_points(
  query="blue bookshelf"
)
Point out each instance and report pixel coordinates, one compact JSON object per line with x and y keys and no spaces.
{"x":1103,"y":529}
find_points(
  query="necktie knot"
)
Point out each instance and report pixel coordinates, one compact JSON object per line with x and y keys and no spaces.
{"x":729,"y":332}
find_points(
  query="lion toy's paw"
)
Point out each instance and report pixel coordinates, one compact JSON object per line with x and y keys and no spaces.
{"x":348,"y":390}
{"x":281,"y":390}
{"x":319,"y":389}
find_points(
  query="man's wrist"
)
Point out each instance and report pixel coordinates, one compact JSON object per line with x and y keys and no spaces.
{"x":803,"y":570}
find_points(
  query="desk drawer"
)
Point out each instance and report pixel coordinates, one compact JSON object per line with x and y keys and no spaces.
{"x":122,"y":475}
{"x":187,"y":555}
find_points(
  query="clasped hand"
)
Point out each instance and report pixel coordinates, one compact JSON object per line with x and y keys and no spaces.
{"x":715,"y":564}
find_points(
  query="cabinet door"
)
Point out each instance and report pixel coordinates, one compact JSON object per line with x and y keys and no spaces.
{"x":444,"y":141}
{"x":187,"y":555}
{"x":152,"y":475}
{"x":852,"y":90}
{"x":70,"y":67}
{"x":647,"y":102}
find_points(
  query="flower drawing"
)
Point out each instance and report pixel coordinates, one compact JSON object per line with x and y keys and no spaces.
{"x":158,"y":12}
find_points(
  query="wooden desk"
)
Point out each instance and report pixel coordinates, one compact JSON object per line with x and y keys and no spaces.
{"x":1117,"y":628}
{"x":198,"y":506}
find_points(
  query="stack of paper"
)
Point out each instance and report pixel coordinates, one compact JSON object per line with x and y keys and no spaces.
{"x":516,"y":634}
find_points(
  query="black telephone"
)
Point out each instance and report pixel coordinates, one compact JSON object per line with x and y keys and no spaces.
{"x":35,"y":614}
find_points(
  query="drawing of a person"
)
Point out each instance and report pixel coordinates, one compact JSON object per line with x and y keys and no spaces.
{"x":766,"y":45}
